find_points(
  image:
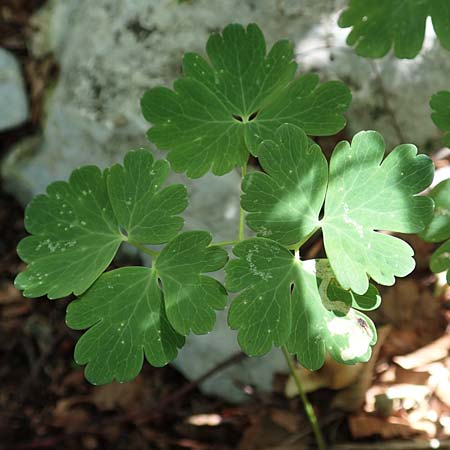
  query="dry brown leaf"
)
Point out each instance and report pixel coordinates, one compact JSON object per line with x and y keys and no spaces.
{"x":365,"y":425}
{"x":12,"y":304}
{"x":9,"y":294}
{"x":415,"y":314}
{"x":405,"y":396}
{"x":418,"y":376}
{"x":432,"y":352}
{"x":264,"y":434}
{"x":132,"y":395}
{"x":401,"y":341}
{"x":15,"y":310}
{"x":288,"y":420}
{"x":353,"y":398}
{"x":70,"y":414}
{"x":331,"y":375}
{"x":442,"y":391}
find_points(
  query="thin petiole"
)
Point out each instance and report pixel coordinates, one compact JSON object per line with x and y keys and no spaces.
{"x":304,"y":240}
{"x":224,"y":243}
{"x":143,"y":248}
{"x":320,"y":441}
{"x":241,"y":234}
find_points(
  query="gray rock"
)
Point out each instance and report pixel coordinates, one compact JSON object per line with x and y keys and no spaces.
{"x":14,"y":103}
{"x":111,"y":51}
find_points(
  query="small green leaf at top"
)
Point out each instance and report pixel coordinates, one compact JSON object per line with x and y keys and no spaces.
{"x":124,"y":311}
{"x":377,"y":25}
{"x":362,"y":192}
{"x":222,"y":109}
{"x":284,"y":301}
{"x":440,"y":104}
{"x":77,"y":226}
{"x":438,"y":230}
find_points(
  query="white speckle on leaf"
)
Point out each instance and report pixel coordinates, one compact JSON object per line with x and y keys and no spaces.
{"x":439,"y":211}
{"x":358,"y":338}
{"x":266,"y":276}
{"x":347,"y":219}
{"x":52,"y":246}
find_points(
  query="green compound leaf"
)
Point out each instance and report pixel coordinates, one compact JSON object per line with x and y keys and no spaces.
{"x":440,"y":260}
{"x":74,"y":236}
{"x":124,"y":311}
{"x":137,"y":311}
{"x":380,"y":24}
{"x":221,"y":110}
{"x":284,"y":301}
{"x":76,"y":226}
{"x":191,"y":298}
{"x":440,"y":104}
{"x":438,"y":229}
{"x":364,"y":194}
{"x":146,"y":213}
{"x":284,"y":203}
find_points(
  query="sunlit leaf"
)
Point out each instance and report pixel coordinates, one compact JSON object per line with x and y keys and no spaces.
{"x":285,"y":301}
{"x":364,"y":194}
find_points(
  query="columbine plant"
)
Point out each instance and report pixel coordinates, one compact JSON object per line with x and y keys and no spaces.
{"x":438,"y":230}
{"x":378,"y":25}
{"x":242,"y":101}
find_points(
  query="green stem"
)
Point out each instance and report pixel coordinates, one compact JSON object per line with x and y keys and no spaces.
{"x":224,"y":243}
{"x":142,"y":248}
{"x":305,"y":239}
{"x":241,"y":234}
{"x":320,"y":441}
